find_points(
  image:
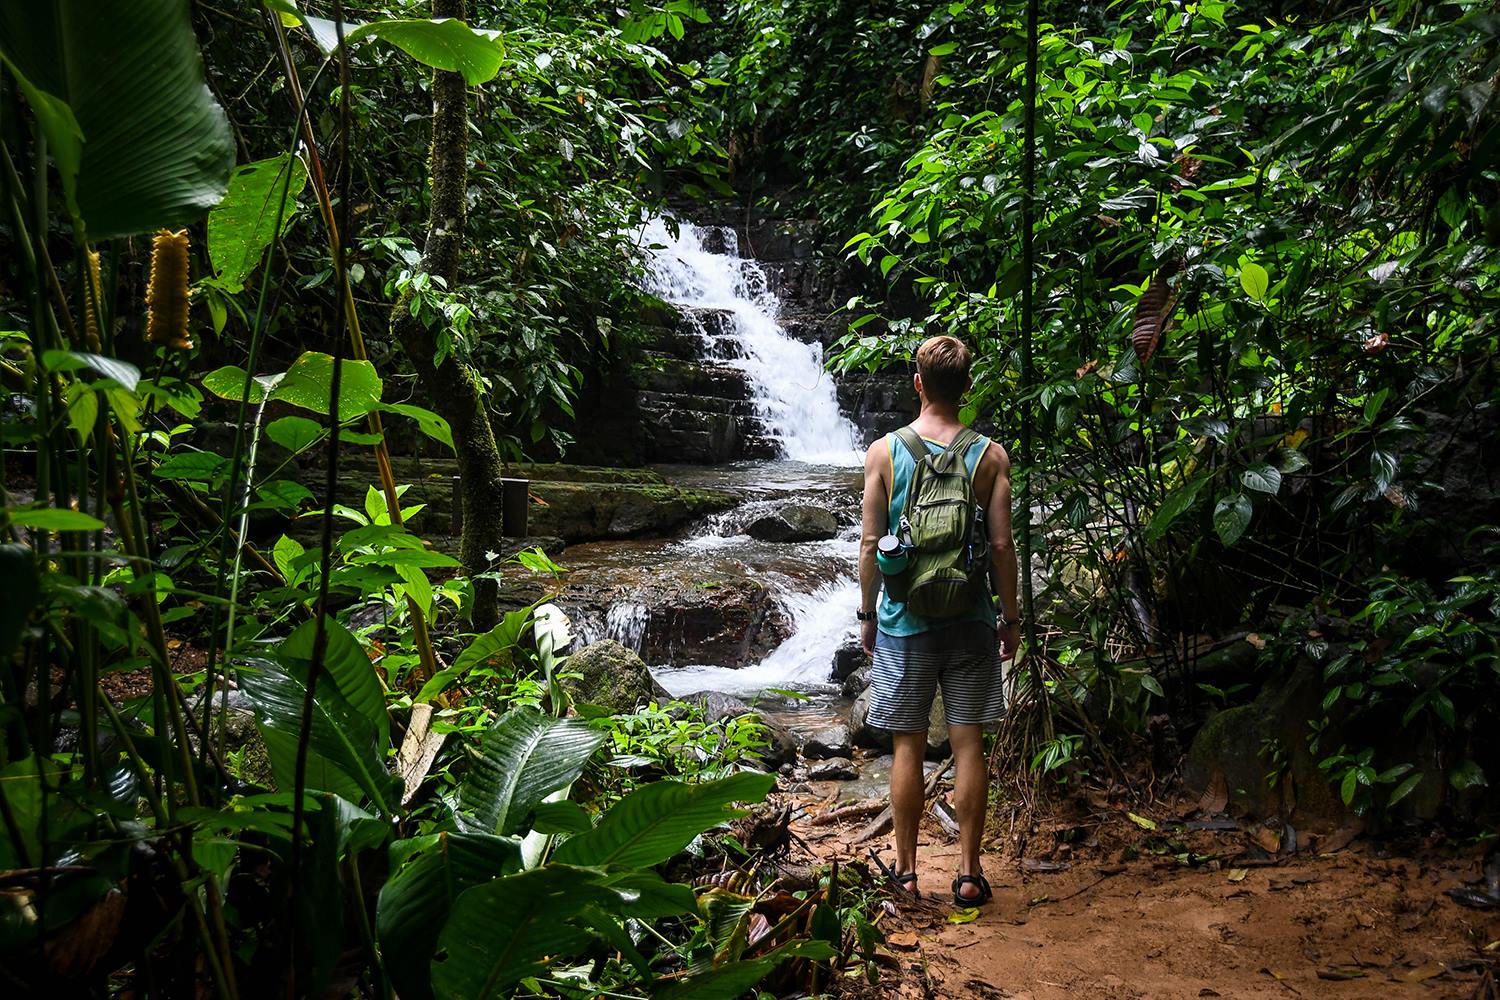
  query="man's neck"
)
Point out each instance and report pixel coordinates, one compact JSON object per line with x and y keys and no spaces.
{"x":939,"y":414}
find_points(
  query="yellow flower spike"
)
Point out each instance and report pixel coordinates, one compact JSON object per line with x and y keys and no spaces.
{"x":167,"y":295}
{"x":91,"y":314}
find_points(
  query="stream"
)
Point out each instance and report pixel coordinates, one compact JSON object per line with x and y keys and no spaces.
{"x":818,"y":462}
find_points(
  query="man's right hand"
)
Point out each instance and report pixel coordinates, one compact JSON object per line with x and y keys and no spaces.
{"x":867,"y":636}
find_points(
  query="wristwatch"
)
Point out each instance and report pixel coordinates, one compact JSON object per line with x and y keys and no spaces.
{"x":865,"y":616}
{"x":1000,"y":618}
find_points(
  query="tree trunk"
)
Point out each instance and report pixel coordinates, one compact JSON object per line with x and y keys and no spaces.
{"x":454,"y":387}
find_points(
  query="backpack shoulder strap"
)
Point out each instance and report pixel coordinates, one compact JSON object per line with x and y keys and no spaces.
{"x":913,"y":443}
{"x":963,"y":440}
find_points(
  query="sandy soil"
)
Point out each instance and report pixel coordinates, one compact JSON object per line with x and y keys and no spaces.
{"x":1128,"y":919}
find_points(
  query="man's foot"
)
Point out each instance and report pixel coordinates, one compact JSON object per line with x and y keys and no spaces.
{"x":908,"y":884}
{"x":971,"y":890}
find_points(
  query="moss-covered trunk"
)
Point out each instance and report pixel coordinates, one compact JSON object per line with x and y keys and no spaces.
{"x":453,"y":387}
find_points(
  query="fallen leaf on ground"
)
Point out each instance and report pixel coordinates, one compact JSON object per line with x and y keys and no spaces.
{"x":1269,"y":839}
{"x":1341,"y":975}
{"x":965,"y":916}
{"x":905,"y":940}
{"x":1238,"y":874}
{"x":1141,"y":821}
{"x":1216,"y":796}
{"x":1422,"y":973}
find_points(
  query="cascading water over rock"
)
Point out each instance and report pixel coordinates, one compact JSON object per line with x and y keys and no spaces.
{"x":794,"y":397}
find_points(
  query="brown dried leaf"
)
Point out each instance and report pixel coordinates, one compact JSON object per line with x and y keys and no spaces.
{"x":1216,"y":796}
{"x":1377,"y":343}
{"x":905,"y":940}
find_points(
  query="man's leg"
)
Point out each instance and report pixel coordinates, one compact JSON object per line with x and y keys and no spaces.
{"x":970,"y":798}
{"x":906,"y":797}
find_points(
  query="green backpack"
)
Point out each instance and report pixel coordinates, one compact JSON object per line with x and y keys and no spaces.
{"x":943,"y":528}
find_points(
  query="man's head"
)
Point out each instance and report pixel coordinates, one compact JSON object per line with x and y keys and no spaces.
{"x":942,"y":370}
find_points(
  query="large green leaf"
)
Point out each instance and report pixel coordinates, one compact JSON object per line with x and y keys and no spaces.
{"x":1231,"y":517}
{"x":430,"y":874}
{"x":444,"y":43}
{"x":734,"y":979}
{"x":653,"y":823}
{"x":245,"y":221}
{"x":1177,"y":503}
{"x":645,"y":895}
{"x":501,"y":932}
{"x":344,"y":756}
{"x":346,"y":666}
{"x":307,"y":384}
{"x":521,"y":759}
{"x":117,"y":88}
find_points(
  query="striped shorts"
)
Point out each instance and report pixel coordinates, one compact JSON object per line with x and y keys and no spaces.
{"x":962,"y":657}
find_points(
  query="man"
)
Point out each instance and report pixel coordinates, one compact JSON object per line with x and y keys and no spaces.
{"x":912,"y":654}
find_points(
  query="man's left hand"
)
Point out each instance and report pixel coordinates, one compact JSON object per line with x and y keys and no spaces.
{"x":1009,"y":639}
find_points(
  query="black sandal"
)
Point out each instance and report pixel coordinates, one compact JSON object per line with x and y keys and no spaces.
{"x":985,"y":893}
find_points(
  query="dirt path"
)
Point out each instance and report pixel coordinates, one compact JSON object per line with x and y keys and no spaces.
{"x":1350,"y":924}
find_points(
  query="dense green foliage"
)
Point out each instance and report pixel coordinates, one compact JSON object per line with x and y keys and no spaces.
{"x":1267,"y":252}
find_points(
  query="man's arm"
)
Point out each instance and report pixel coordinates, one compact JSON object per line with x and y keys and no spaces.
{"x":1004,"y":575}
{"x":874,"y":518}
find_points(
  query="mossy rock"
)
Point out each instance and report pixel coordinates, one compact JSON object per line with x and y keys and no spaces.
{"x":611,"y":676}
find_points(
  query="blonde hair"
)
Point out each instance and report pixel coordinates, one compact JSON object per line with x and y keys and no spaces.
{"x":943,"y":363}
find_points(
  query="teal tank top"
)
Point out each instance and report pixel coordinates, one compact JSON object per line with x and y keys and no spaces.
{"x":895,"y":619}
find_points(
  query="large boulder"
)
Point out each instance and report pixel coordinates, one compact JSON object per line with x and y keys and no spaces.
{"x":862,"y":734}
{"x":1232,"y":747}
{"x":612,"y":677}
{"x":798,"y":522}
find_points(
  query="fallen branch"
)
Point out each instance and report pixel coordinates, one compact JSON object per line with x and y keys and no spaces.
{"x":847,"y":812}
{"x":880,"y":824}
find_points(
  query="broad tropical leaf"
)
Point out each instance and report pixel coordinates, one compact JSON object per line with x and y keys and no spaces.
{"x":653,"y":823}
{"x":521,"y":759}
{"x":344,"y":756}
{"x":508,"y":929}
{"x":430,"y":874}
{"x":117,"y":88}
{"x":242,"y":225}
{"x":442,"y":43}
{"x":734,"y":979}
{"x":347,"y":667}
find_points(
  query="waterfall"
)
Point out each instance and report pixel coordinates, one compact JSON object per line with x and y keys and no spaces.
{"x":626,"y":624}
{"x":793,"y":396}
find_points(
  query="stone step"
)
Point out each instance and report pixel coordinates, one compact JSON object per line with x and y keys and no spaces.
{"x":663,"y":373}
{"x":653,"y":402}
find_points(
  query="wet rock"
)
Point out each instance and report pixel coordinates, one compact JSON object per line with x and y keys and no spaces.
{"x":827,"y":743}
{"x":856,"y":682}
{"x":724,"y":620}
{"x":795,"y":523}
{"x":847,"y":660}
{"x":612,"y":677}
{"x":862,"y":734}
{"x":833,"y":769}
{"x":716,"y":706}
{"x":578,"y":512}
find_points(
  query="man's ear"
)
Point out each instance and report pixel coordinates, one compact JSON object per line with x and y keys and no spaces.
{"x":916,"y":382}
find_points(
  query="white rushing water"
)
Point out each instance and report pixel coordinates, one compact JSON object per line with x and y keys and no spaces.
{"x":793,"y":396}
{"x":801,"y":663}
{"x":626,"y":624}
